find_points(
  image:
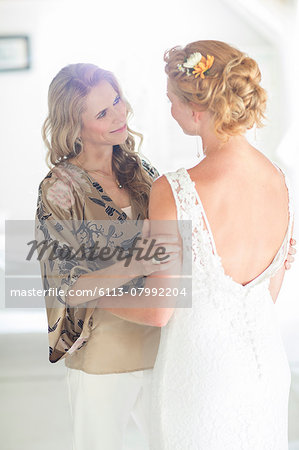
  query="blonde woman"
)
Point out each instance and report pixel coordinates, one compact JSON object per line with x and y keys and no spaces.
{"x":97,"y":182}
{"x":221,"y":378}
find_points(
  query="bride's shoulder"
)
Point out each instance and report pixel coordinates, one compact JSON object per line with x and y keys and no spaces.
{"x":166,"y":183}
{"x":162,"y":203}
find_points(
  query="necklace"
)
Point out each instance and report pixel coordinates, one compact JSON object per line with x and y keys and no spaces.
{"x":120,"y":186}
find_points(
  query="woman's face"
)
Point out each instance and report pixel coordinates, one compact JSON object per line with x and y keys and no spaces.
{"x":181,"y":112}
{"x":104,"y":118}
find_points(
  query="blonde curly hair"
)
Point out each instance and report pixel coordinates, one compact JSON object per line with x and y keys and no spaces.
{"x":231,"y":90}
{"x":61,"y":129}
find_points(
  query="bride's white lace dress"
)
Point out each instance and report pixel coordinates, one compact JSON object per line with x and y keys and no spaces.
{"x":221,"y":379}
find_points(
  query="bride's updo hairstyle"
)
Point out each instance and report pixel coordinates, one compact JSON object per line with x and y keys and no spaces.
{"x":230,"y":89}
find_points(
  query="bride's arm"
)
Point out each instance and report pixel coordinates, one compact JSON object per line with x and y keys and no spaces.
{"x":162,"y":213}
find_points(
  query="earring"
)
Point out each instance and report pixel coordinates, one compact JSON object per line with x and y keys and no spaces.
{"x":199,"y":149}
{"x":78,"y":146}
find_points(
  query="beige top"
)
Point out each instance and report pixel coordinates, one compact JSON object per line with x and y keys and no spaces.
{"x":128,"y":211}
{"x":72,"y":210}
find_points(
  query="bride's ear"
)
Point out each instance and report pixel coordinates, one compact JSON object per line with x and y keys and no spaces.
{"x":197,"y":112}
{"x":197,"y":115}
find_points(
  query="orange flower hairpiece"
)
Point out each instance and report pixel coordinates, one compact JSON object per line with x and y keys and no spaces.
{"x":197,"y":65}
{"x":203,"y":66}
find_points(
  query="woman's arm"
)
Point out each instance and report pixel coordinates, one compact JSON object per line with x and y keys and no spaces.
{"x":276,"y":281}
{"x":162,"y":212}
{"x":106,"y":280}
{"x":89,"y":286}
{"x":290,"y":258}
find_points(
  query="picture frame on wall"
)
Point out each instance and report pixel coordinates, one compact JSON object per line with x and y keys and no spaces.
{"x":14,"y":53}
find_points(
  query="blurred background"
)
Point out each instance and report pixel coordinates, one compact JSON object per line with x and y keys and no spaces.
{"x":128,"y":38}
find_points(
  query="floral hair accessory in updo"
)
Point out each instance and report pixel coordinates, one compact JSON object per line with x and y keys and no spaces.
{"x":197,"y":65}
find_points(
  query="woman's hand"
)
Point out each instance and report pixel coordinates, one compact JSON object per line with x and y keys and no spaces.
{"x":290,"y":257}
{"x":165,"y":247}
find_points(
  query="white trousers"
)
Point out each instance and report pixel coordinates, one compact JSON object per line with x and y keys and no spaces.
{"x":101,"y":406}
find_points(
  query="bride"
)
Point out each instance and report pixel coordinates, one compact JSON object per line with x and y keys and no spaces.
{"x":221,"y":379}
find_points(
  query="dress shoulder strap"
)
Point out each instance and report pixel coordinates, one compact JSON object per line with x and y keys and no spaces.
{"x":281,"y":255}
{"x":290,"y":194}
{"x":183,"y":193}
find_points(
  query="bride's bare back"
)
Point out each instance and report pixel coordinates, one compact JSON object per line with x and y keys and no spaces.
{"x":246,"y":202}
